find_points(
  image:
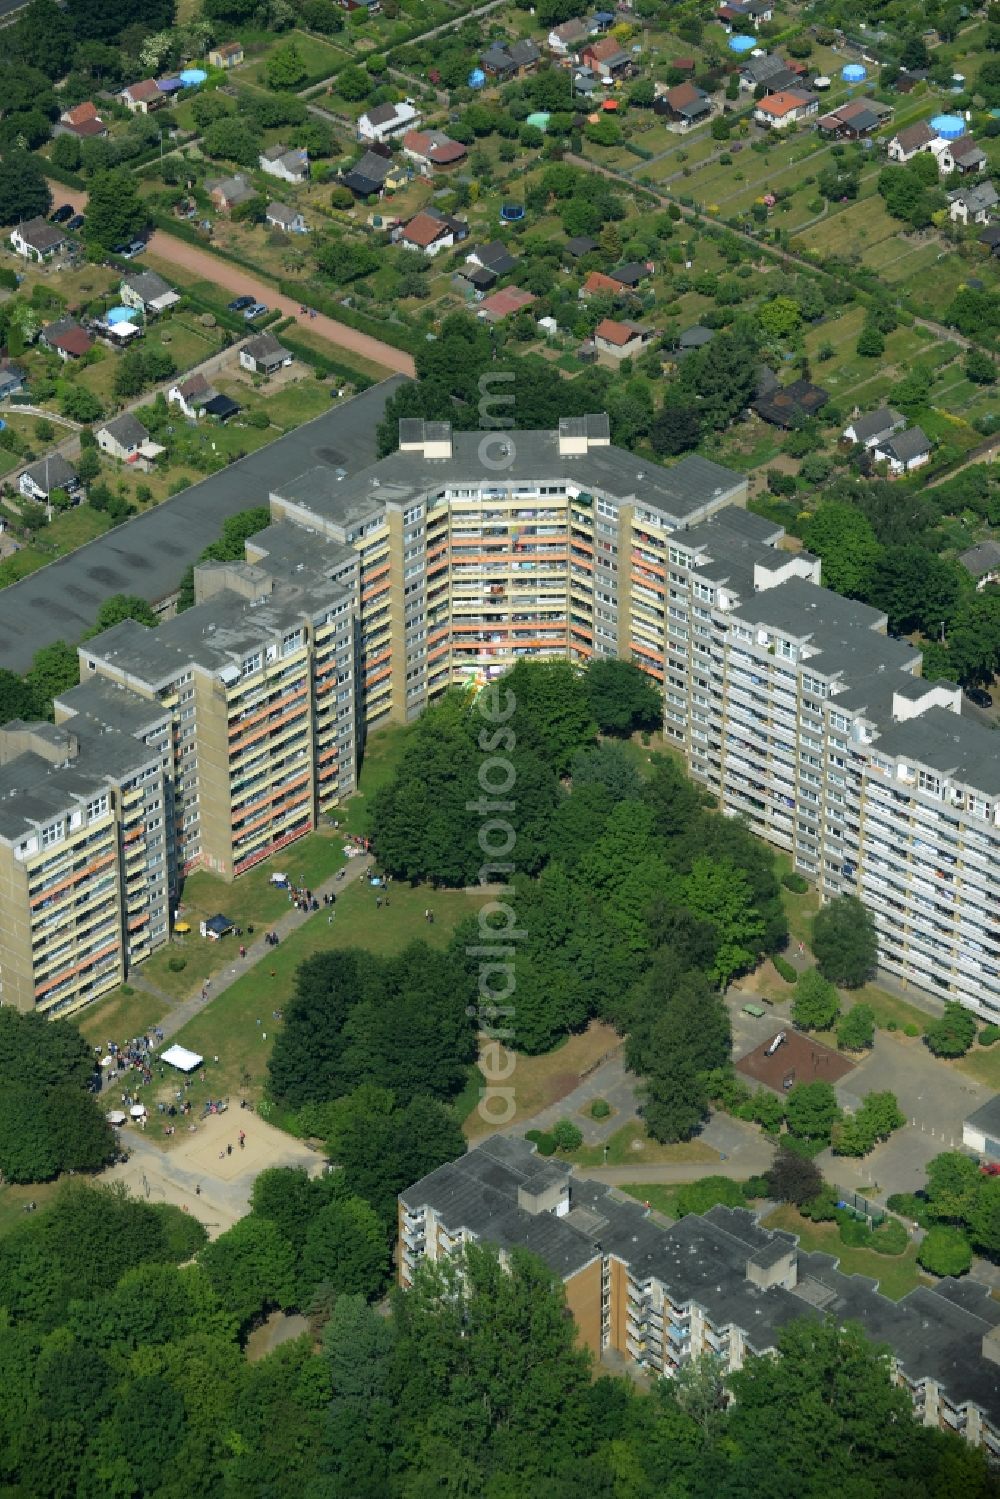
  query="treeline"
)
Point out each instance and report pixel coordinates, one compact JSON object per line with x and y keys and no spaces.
{"x":637,"y":903}
{"x":882,"y":543}
{"x":125,"y":1374}
{"x":50,"y":1121}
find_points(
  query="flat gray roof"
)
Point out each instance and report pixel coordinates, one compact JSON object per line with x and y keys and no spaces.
{"x":680,"y":492}
{"x":946,"y":742}
{"x":34,"y":790}
{"x":148,"y":554}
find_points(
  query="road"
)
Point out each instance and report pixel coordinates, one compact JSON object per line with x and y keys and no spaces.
{"x":211,"y":267}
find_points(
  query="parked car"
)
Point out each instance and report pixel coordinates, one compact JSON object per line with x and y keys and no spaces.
{"x":257,"y":310}
{"x":239,"y":304}
{"x":131,"y":250}
{"x":62,"y":213}
{"x":76,"y":222}
{"x":978,"y":696}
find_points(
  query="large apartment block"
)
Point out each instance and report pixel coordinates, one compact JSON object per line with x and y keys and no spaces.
{"x":718,"y":1283}
{"x":371,"y":593}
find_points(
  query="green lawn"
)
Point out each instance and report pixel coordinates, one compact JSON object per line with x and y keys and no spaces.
{"x":120,"y":1014}
{"x":234,"y":1025}
{"x":983,"y":1064}
{"x":896,"y":1273}
{"x":383,"y":752}
{"x":631,"y":1146}
{"x":13,"y":1201}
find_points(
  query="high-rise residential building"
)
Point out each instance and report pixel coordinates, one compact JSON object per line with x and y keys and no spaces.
{"x":717,"y":1283}
{"x":371,"y":593}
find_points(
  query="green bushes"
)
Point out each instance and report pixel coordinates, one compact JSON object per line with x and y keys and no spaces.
{"x":911,"y":1205}
{"x":796,"y":883}
{"x":989,"y":1035}
{"x":177,"y":964}
{"x":600,"y":1108}
{"x":909,"y":1029}
{"x":544,"y":1144}
{"x":785,"y":969}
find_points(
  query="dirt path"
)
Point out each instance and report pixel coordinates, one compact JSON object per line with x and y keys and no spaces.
{"x":243,"y":283}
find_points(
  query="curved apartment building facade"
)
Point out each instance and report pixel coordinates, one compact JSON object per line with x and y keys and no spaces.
{"x":370,"y":594}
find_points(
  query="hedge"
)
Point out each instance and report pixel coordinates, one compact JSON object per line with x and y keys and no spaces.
{"x":400,"y":337}
{"x":796,"y":883}
{"x":785,"y":969}
{"x":58,"y":174}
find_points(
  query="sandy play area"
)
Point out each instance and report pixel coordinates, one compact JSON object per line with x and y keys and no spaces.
{"x":199,"y":1174}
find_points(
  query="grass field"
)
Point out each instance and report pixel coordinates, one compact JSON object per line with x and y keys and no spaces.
{"x":896,"y":1273}
{"x":541,"y":1081}
{"x":238,"y":1026}
{"x":631,"y":1146}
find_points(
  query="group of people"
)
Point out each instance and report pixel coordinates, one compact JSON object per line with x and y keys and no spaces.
{"x":302,"y":900}
{"x":135,"y":1054}
{"x":271,"y":938}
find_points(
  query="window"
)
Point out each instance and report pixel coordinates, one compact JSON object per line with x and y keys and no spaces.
{"x":97,"y":808}
{"x":53,"y":833}
{"x":252,"y":663}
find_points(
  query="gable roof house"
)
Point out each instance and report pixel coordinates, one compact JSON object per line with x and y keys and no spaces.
{"x":502,"y":304}
{"x":386,"y":121}
{"x":191,"y":395}
{"x":629,"y":274}
{"x":289,"y":165}
{"x":430,"y":231}
{"x":142,"y":98}
{"x":148,"y":292}
{"x":37,"y":240}
{"x":432,"y":151}
{"x":877,"y":427}
{"x":228,"y":55}
{"x":904,"y":451}
{"x":982,"y":563}
{"x":616,"y":341}
{"x":66,"y":338}
{"x":597,"y":284}
{"x":684,"y":106}
{"x":855,"y":119}
{"x":82,"y":121}
{"x":493,"y":256}
{"x":506,"y":60}
{"x":972,"y":205}
{"x":228,"y":192}
{"x":125,"y":437}
{"x":289,"y":220}
{"x":566,"y":38}
{"x":963,"y":156}
{"x":778,"y":111}
{"x":375,"y":173}
{"x":607,"y":59}
{"x":909,"y":142}
{"x":264,"y":355}
{"x":39,"y":480}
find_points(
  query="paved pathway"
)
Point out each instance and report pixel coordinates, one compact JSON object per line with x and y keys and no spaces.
{"x":610,"y":1081}
{"x":257,"y":950}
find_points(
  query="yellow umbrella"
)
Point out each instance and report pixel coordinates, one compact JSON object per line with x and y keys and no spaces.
{"x":181,"y":926}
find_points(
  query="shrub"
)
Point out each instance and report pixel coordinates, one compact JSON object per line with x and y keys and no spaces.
{"x":853,"y":1231}
{"x":600,"y":1108}
{"x":911,"y":1205}
{"x":127,"y":990}
{"x":701,"y":1196}
{"x":822,"y":1208}
{"x":534,"y":1135}
{"x":177,"y":964}
{"x":953,"y":1034}
{"x":890,"y":1237}
{"x":755,"y":1188}
{"x":892,"y":1026}
{"x":945,"y":1251}
{"x":797,"y":883}
{"x":546,"y":1145}
{"x":989,"y":1035}
{"x":566,"y":1135}
{"x":785,"y":969}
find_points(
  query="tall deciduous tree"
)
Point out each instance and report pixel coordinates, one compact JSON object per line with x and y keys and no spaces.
{"x":845,"y":942}
{"x":115,"y":212}
{"x":816,"y":1004}
{"x":24,"y":192}
{"x":846,"y":544}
